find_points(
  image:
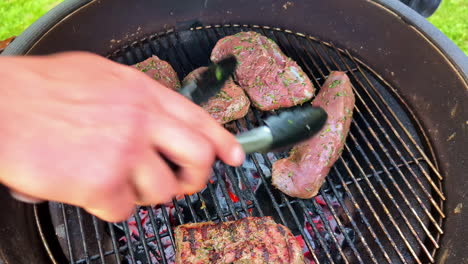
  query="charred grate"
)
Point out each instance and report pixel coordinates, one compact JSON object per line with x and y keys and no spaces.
{"x":381,"y":203}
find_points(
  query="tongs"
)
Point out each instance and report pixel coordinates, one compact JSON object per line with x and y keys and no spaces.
{"x":288,"y":128}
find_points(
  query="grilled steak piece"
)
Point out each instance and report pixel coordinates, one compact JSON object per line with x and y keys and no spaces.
{"x":304,"y":171}
{"x":160,"y":71}
{"x":270,"y":78}
{"x":255,"y":240}
{"x":229,"y":104}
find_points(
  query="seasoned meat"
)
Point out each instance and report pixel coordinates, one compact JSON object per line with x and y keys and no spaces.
{"x":271,"y":79}
{"x":229,"y":104}
{"x":160,"y":71}
{"x":304,"y":171}
{"x":255,"y":240}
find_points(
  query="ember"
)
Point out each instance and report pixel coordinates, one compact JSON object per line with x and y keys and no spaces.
{"x":149,"y":232}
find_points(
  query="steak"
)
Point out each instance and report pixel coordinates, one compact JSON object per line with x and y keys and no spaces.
{"x":160,"y":71}
{"x":255,"y":240}
{"x":229,"y":104}
{"x":304,"y":171}
{"x":270,"y":78}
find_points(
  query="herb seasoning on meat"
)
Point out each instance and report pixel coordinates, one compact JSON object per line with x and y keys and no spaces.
{"x":160,"y":71}
{"x":229,"y":104}
{"x":310,"y":161}
{"x":256,"y":240}
{"x":264,"y":69}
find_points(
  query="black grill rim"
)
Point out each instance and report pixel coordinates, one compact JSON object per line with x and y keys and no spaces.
{"x":337,"y":50}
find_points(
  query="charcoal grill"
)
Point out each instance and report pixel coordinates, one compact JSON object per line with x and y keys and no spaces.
{"x":383,"y":201}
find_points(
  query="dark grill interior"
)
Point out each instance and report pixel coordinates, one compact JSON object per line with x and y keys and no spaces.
{"x":381,"y":203}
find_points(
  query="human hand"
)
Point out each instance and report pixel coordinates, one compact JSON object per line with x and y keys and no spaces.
{"x":80,"y":129}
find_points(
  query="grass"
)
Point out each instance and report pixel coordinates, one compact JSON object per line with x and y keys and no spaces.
{"x":452,"y":19}
{"x":16,"y":15}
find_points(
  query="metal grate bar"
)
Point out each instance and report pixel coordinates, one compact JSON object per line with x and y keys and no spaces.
{"x":401,"y":194}
{"x":341,"y":227}
{"x":245,"y":182}
{"x":98,"y":238}
{"x":359,"y":210}
{"x":216,"y":202}
{"x":284,"y":199}
{"x":168,"y":224}
{"x":226,"y":195}
{"x":370,"y":175}
{"x":391,"y":178}
{"x":278,"y":210}
{"x":373,"y":189}
{"x":141,"y":234}
{"x":83,"y":237}
{"x":180,"y":216}
{"x":327,"y":224}
{"x":416,"y":160}
{"x":67,"y":236}
{"x":394,"y":130}
{"x":129,"y":241}
{"x":397,"y":186}
{"x":369,"y":205}
{"x":405,"y":162}
{"x":203,"y":201}
{"x":237,"y":190}
{"x":434,"y":169}
{"x":423,"y":188}
{"x":188,"y":201}
{"x":398,"y":208}
{"x":156,"y":234}
{"x":114,"y":244}
{"x":385,"y":188}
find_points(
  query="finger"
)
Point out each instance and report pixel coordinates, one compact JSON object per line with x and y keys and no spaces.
{"x":117,"y":208}
{"x":191,"y":188}
{"x":225,"y":144}
{"x":184,"y":146}
{"x":153,"y":180}
{"x":25,"y":198}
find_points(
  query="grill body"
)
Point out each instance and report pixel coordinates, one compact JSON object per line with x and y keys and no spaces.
{"x":387,"y":50}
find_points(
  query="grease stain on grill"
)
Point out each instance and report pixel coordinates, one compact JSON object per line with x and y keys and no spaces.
{"x":378,"y":201}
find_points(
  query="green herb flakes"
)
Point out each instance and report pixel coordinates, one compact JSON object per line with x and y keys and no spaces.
{"x":219,"y":74}
{"x":334,"y":84}
{"x":290,"y":121}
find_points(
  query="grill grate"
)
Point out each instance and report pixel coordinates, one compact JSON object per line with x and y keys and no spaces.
{"x":381,"y":202}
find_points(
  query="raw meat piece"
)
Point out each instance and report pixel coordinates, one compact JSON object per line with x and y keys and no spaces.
{"x":304,"y":171}
{"x":255,"y":240}
{"x":160,"y":71}
{"x":229,"y":104}
{"x":270,"y":78}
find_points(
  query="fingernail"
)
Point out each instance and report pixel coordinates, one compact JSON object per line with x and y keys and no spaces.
{"x":25,"y":199}
{"x":238,"y":155}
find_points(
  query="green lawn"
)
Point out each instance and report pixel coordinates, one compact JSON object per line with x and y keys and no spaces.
{"x":16,"y":15}
{"x":452,"y":19}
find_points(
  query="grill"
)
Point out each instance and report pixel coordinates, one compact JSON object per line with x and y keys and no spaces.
{"x":381,"y":203}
